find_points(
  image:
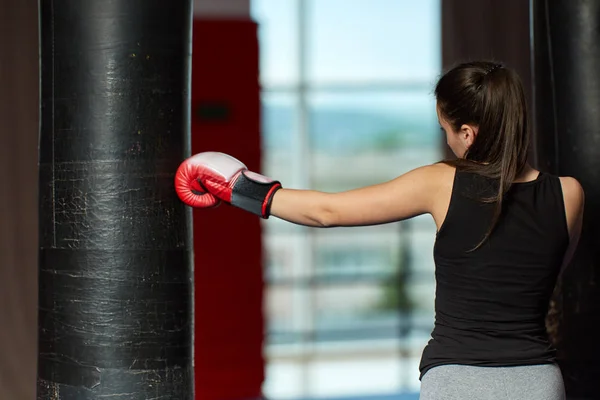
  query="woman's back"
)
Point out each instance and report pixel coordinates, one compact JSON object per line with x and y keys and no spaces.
{"x":491,"y":302}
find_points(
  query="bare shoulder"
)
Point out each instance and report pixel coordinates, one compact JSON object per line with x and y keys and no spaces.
{"x":441,"y":167}
{"x":441,"y":176}
{"x":574,"y":199}
{"x":427,"y":177}
{"x":572,"y":192}
{"x":432,"y":179}
{"x":438,"y":173}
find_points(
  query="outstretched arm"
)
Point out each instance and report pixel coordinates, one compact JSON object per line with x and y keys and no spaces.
{"x":409,"y":195}
{"x":209,"y":178}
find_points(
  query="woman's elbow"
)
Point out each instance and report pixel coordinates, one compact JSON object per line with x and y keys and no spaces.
{"x":318,"y":218}
{"x":325,"y":216}
{"x":326,"y":219}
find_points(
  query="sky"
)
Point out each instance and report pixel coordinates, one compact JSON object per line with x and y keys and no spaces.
{"x":350,"y":41}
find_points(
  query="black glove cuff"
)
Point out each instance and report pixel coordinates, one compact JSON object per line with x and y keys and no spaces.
{"x":254,"y":196}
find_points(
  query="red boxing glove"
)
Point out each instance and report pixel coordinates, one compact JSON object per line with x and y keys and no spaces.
{"x":206,"y":179}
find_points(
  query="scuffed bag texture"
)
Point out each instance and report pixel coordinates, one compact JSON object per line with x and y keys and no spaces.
{"x":115,"y":291}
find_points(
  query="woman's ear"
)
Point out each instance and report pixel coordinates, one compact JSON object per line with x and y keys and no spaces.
{"x":468,"y":134}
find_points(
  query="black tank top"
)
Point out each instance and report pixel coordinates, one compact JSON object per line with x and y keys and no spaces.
{"x":491,"y":303}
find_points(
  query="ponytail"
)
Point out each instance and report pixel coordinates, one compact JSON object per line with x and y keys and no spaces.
{"x":491,"y":97}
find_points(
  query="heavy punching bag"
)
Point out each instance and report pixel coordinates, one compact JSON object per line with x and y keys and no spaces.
{"x":115,"y":251}
{"x":566,"y":69}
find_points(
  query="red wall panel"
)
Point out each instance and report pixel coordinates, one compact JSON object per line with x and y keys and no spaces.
{"x":228,"y":285}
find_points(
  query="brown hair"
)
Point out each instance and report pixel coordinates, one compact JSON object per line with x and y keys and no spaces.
{"x":491,"y":97}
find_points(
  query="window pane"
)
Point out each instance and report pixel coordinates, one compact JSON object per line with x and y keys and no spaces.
{"x":348,"y":309}
{"x":368,"y":377}
{"x":359,"y":253}
{"x":280,"y":253}
{"x":279,"y":115}
{"x":359,"y":293}
{"x":279,"y":121}
{"x":280,"y":305}
{"x":352,"y":40}
{"x":362,"y":138}
{"x":285,"y":379}
{"x":354,"y":311}
{"x":358,"y":139}
{"x":278,"y":34}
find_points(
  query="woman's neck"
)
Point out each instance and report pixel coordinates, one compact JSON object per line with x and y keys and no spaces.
{"x":527,"y":174}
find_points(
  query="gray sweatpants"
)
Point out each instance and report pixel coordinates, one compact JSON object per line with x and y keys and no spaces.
{"x":460,"y":382}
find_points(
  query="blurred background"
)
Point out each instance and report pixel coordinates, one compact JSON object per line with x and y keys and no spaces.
{"x":345,"y":101}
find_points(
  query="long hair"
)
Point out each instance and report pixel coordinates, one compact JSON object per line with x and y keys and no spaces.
{"x":490,"y":96}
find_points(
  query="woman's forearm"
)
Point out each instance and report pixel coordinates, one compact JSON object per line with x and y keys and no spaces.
{"x":224,"y":178}
{"x":302,"y":207}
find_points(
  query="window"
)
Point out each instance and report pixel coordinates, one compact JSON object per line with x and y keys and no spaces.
{"x":347,"y":102}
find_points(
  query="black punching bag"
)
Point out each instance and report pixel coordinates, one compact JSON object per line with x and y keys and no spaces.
{"x":566,"y":60}
{"x":115,"y":255}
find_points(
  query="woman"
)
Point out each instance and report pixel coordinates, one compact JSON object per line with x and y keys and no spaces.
{"x":505,"y":231}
